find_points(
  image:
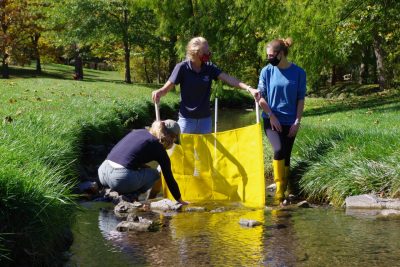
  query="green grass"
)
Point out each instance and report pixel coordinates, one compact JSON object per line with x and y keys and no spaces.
{"x":349,"y":147}
{"x":45,"y":123}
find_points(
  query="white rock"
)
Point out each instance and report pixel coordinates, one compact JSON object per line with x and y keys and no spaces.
{"x":165,"y":204}
{"x":249,"y":223}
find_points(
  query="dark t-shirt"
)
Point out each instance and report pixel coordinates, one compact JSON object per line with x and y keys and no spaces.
{"x":140,"y":147}
{"x":195,"y":88}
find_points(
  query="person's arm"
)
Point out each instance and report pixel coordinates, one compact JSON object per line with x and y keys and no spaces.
{"x":296,"y":125}
{"x":275,"y":124}
{"x":301,"y":92}
{"x":172,"y":81}
{"x":165,"y":164}
{"x":232,"y":81}
{"x":157,"y":94}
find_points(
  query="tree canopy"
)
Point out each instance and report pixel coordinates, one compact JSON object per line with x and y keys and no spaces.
{"x":147,"y":38}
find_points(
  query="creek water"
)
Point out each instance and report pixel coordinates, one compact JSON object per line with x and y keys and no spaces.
{"x":320,"y":236}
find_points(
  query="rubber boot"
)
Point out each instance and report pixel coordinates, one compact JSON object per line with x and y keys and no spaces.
{"x":280,"y":181}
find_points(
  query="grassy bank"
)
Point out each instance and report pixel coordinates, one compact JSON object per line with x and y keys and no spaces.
{"x":45,"y":123}
{"x":346,"y":146}
{"x":350,"y":146}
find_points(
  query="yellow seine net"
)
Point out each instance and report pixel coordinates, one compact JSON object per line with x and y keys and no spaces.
{"x":223,"y":166}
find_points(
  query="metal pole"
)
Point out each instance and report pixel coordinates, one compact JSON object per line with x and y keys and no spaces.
{"x":216,"y":115}
{"x":157,"y":112}
{"x":215,"y":135}
{"x":257,"y":113}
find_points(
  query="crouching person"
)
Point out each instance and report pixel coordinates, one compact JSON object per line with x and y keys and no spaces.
{"x":125,"y":169}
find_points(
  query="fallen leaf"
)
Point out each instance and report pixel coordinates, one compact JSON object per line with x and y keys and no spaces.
{"x":8,"y":119}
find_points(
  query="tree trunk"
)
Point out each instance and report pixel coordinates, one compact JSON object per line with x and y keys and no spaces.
{"x":5,"y":70}
{"x":380,"y":64}
{"x":364,"y":66}
{"x":78,"y":64}
{"x":127,"y":49}
{"x":145,"y":70}
{"x":192,"y":14}
{"x":333,"y":77}
{"x":78,"y":67}
{"x":158,"y":67}
{"x":127,"y":63}
{"x":35,"y":40}
{"x":171,"y":51}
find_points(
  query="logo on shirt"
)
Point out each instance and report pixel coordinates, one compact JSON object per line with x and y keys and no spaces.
{"x":206,"y":78}
{"x":292,"y":81}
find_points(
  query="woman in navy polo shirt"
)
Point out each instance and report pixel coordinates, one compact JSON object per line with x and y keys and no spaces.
{"x":125,"y":170}
{"x":283,"y":88}
{"x":195,"y":76}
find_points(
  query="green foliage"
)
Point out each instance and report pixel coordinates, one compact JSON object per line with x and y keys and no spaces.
{"x":231,"y":98}
{"x":47,"y":123}
{"x":331,"y":38}
{"x":349,"y":147}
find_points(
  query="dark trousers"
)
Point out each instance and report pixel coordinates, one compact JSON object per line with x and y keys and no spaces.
{"x":282,"y":144}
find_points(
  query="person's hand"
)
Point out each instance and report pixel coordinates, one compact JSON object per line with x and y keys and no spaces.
{"x":275,"y":124}
{"x":183,"y":202}
{"x":156,"y":95}
{"x":255,"y":93}
{"x":293,"y":129}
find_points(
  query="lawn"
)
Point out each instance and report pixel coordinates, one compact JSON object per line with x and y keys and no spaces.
{"x":46,"y":122}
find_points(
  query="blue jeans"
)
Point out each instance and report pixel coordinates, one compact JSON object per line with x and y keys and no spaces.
{"x":195,"y":126}
{"x":126,"y":181}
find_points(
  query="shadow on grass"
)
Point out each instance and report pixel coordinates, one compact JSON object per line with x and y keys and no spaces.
{"x":31,"y":73}
{"x":359,"y":103}
{"x":315,"y":154}
{"x":66,"y":74}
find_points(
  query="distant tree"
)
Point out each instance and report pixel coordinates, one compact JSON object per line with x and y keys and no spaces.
{"x":374,"y":24}
{"x":11,"y":19}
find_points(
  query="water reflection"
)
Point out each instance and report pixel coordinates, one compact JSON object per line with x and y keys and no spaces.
{"x":288,"y":237}
{"x":192,"y":239}
{"x":279,"y":239}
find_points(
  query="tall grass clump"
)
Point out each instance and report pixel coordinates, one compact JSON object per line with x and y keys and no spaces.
{"x":350,"y":147}
{"x":46,"y":125}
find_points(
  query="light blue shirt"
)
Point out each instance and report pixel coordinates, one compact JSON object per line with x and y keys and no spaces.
{"x":282,"y":89}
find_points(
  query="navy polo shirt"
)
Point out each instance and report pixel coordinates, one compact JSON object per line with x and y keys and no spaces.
{"x":140,"y":147}
{"x":195,"y":88}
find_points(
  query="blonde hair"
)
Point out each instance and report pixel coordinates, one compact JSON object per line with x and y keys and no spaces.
{"x":159,"y":130}
{"x":193,"y":47}
{"x":281,"y":45}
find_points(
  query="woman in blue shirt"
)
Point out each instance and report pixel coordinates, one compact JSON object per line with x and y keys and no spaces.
{"x":195,"y":75}
{"x":283,"y":87}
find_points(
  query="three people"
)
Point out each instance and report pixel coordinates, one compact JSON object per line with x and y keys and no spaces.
{"x":195,"y":75}
{"x":282,"y":85}
{"x":283,"y":88}
{"x":125,"y":169}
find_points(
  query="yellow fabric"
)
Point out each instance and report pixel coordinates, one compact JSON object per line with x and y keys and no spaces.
{"x":226,"y":167}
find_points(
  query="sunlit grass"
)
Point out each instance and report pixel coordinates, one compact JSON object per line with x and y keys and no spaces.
{"x":45,"y":122}
{"x":349,"y":147}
